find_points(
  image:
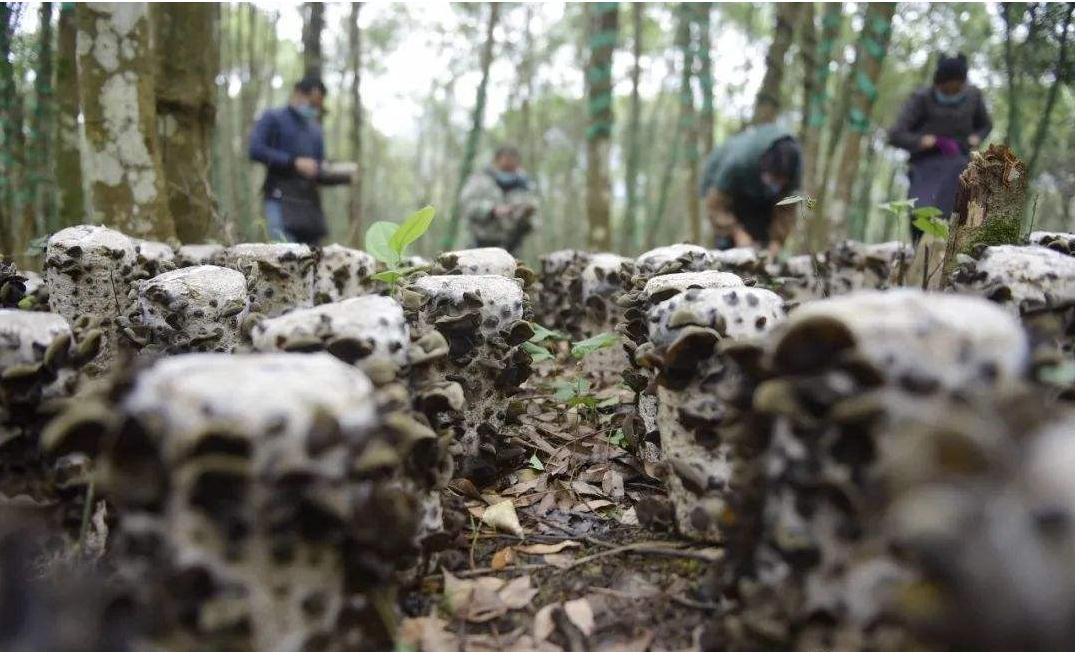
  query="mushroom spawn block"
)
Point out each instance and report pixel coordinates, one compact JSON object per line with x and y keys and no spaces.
{"x":343,"y":273}
{"x":268,"y":480}
{"x":193,"y":309}
{"x":703,"y":395}
{"x":484,"y":320}
{"x":280,"y":276}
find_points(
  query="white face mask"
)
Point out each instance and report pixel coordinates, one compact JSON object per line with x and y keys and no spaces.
{"x":307,"y":111}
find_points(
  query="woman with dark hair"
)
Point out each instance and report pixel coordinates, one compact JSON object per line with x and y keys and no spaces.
{"x":939,"y":125}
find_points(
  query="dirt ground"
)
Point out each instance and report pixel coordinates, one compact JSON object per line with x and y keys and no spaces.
{"x":554,"y":558}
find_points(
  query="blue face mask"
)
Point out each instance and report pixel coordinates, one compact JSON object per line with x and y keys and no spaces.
{"x":945,"y":99}
{"x":307,"y":111}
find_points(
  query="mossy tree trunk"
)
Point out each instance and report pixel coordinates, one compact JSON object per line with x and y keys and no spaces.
{"x":116,"y":87}
{"x":869,"y":59}
{"x":767,"y":103}
{"x":188,"y":61}
{"x":1060,"y":77}
{"x":11,"y":138}
{"x":604,"y":23}
{"x":689,"y":123}
{"x":41,"y":193}
{"x":707,"y":117}
{"x":67,"y":158}
{"x":990,"y":204}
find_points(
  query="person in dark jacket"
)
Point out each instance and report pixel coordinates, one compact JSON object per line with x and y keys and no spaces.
{"x":744,"y":179}
{"x":940,"y":125}
{"x":289,"y":142}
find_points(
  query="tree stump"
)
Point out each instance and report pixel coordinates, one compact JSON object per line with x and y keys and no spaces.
{"x":990,"y":204}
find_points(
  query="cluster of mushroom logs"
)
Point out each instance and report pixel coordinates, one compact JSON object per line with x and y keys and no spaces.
{"x":271,"y":429}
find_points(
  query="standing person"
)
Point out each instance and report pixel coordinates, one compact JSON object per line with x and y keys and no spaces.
{"x":289,"y":142}
{"x":499,"y":203}
{"x":744,"y":180}
{"x":939,"y":125}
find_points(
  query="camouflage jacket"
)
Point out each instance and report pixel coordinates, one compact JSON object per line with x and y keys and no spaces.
{"x":481,"y":194}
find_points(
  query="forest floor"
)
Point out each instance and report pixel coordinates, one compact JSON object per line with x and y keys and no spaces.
{"x":565,"y":565}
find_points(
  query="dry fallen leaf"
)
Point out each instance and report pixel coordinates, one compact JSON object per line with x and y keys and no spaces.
{"x":502,"y":516}
{"x":580,"y":613}
{"x":517,"y":593}
{"x":503,"y":558}
{"x":559,"y":560}
{"x":543,"y":625}
{"x":547,"y":548}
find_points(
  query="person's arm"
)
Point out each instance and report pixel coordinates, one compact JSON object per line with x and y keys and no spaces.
{"x":261,"y":148}
{"x":478,"y":199}
{"x":904,"y":133}
{"x":983,"y":122}
{"x":718,"y":208}
{"x":781,"y":226}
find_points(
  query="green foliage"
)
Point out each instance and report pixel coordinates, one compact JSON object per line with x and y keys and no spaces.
{"x":580,"y":350}
{"x":575,"y":394}
{"x":388,"y":242}
{"x":541,"y":334}
{"x":929,"y":219}
{"x":617,"y":438}
{"x":537,"y":353}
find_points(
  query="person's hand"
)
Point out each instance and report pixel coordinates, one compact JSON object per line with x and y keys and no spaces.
{"x":974,"y":140}
{"x":306,"y":167}
{"x":741,"y":238}
{"x":929,"y":141}
{"x":774,"y":250}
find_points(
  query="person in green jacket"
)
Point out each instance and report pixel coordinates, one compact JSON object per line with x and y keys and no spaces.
{"x":499,"y":204}
{"x":744,"y":179}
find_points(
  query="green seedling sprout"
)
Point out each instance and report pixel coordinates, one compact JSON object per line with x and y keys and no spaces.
{"x":388,"y":242}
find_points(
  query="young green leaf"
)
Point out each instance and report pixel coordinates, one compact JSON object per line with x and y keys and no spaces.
{"x":580,"y":350}
{"x":377,"y":242}
{"x":390,"y":276}
{"x":535,"y":463}
{"x":412,"y":228}
{"x":617,"y":438}
{"x":541,"y":333}
{"x":928,"y":212}
{"x":537,"y":353}
{"x":565,"y":391}
{"x":933,"y":226}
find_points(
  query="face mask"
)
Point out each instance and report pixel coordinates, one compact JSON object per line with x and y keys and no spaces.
{"x":945,"y":99}
{"x":506,"y":178}
{"x":307,"y":111}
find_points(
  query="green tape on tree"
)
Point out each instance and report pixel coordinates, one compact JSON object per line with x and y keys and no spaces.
{"x":866,"y":85}
{"x":606,"y":39}
{"x":858,"y":119}
{"x":598,"y":104}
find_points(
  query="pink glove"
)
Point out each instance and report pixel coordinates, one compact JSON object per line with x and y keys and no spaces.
{"x":948,"y":146}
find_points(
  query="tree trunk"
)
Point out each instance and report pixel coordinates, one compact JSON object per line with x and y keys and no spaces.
{"x":1060,"y":77}
{"x":116,"y":87}
{"x":40,"y":179}
{"x":188,"y":62}
{"x":689,"y":126}
{"x":767,"y":103}
{"x":312,"y":26}
{"x":815,"y":114}
{"x":860,"y":218}
{"x":808,"y":50}
{"x":629,"y":236}
{"x":10,"y":131}
{"x":604,"y":19}
{"x":477,"y":118}
{"x":354,"y":35}
{"x":869,"y":58}
{"x":1014,"y":135}
{"x":68,"y":158}
{"x":705,"y":76}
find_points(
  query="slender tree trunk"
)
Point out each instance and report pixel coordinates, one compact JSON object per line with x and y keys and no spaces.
{"x":68,"y":157}
{"x":817,"y":100}
{"x":604,"y":23}
{"x":1015,"y":122}
{"x":40,"y":178}
{"x":629,"y":236}
{"x":188,"y":62}
{"x":355,"y":43}
{"x":860,"y":218}
{"x":705,"y":76}
{"x":689,"y":125}
{"x":11,"y":146}
{"x":808,"y":53}
{"x":478,"y":117}
{"x":871,"y":50}
{"x":116,"y":86}
{"x":767,"y":103}
{"x":1060,"y":77}
{"x":312,"y":26}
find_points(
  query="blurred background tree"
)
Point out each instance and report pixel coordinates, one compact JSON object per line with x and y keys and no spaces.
{"x":407,"y":101}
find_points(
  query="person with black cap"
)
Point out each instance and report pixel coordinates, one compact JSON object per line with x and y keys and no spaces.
{"x":742,"y":185}
{"x":939,"y":125}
